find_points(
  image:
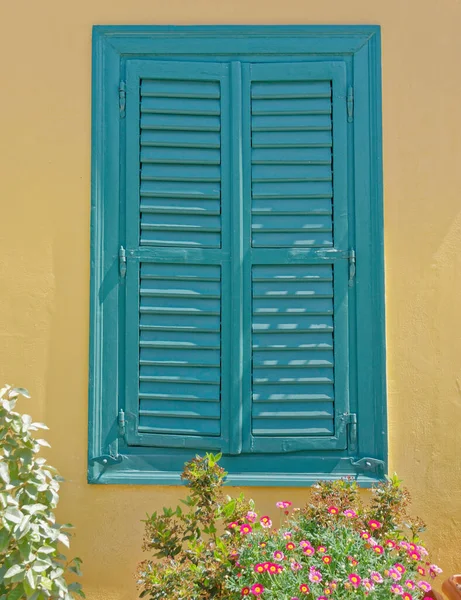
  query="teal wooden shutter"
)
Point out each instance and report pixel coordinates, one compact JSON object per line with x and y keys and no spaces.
{"x":299,"y":246}
{"x":176,"y":350}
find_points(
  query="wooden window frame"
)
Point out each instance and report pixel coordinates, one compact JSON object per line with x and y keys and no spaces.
{"x":110,"y":460}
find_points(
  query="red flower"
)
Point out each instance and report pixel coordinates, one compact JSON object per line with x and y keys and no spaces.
{"x":290,"y":546}
{"x":245,"y":591}
{"x":245,"y":529}
{"x":333,"y":510}
{"x":374,"y":524}
{"x":257,"y":589}
{"x":304,"y":588}
{"x":326,"y":559}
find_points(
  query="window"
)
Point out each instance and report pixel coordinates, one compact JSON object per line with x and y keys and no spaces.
{"x":237,"y":254}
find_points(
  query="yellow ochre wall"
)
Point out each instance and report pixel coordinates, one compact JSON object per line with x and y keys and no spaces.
{"x":44,"y":248}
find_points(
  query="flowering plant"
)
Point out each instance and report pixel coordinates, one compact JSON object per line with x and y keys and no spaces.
{"x":333,"y":548}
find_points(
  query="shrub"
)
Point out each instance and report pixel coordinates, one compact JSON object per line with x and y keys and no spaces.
{"x":334,"y":547}
{"x":193,"y":547}
{"x":31,"y":564}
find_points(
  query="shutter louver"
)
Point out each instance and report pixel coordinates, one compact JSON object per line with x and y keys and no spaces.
{"x":175,"y":130}
{"x":298,"y":221}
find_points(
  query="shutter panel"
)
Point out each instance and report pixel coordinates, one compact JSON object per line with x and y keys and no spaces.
{"x":299,"y":242}
{"x":176,"y":124}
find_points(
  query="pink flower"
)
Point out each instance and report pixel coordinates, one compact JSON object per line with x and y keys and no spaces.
{"x":333,"y":510}
{"x":414,"y":555}
{"x":378,"y":549}
{"x":422,"y":550}
{"x":322,"y":598}
{"x":232,"y":525}
{"x":425,"y":586}
{"x":259,"y":568}
{"x":390,"y":544}
{"x":257,"y":589}
{"x":435,"y":569}
{"x":265,"y":522}
{"x":400,"y":568}
{"x":308,"y":551}
{"x":395,"y":575}
{"x":296,"y":566}
{"x":287,"y":535}
{"x":407,"y":596}
{"x":315,"y":576}
{"x":251,"y":516}
{"x":374,"y":524}
{"x":305,"y":544}
{"x":410,"y":584}
{"x":396,"y":589}
{"x":349,"y":513}
{"x":283,"y":504}
{"x":355,"y":579}
{"x":405,"y":545}
{"x":421,"y":570}
{"x":365,"y":535}
{"x":368,"y":584}
{"x":245,"y":529}
{"x":322,"y":549}
{"x":377,"y":577}
{"x":278,"y":555}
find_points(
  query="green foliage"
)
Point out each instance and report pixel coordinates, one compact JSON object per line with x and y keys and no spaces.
{"x":31,"y":563}
{"x":336,"y":546}
{"x":193,"y":548}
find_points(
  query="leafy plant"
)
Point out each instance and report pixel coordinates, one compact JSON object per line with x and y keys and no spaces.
{"x":195,"y":550}
{"x":334,"y":547}
{"x":31,"y":564}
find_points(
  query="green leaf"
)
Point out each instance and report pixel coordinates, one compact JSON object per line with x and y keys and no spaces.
{"x":4,"y":539}
{"x":16,"y":593}
{"x":14,"y":570}
{"x":39,"y":566}
{"x":13,"y":514}
{"x":4,"y":472}
{"x":63,"y":538}
{"x":43,"y":443}
{"x":34,"y":508}
{"x":30,"y":579}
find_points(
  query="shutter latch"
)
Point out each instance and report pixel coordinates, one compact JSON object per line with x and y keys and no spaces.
{"x":352,"y":267}
{"x":350,"y":419}
{"x":122,"y":98}
{"x":122,"y":262}
{"x":350,"y":104}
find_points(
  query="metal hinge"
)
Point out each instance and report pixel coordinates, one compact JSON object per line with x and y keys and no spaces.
{"x":122,"y":262}
{"x":121,"y":423}
{"x":350,"y":104}
{"x":122,"y":98}
{"x":351,"y":421}
{"x":368,"y":464}
{"x":352,"y":267}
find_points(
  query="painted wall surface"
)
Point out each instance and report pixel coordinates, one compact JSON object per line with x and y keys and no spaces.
{"x":44,"y":240}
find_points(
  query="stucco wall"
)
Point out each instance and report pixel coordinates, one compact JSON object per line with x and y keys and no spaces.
{"x":44,"y":248}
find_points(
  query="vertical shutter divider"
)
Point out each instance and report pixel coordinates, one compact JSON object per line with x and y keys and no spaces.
{"x":236,"y":266}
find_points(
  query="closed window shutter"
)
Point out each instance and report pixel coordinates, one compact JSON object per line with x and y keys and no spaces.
{"x":176,"y":132}
{"x":299,"y":247}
